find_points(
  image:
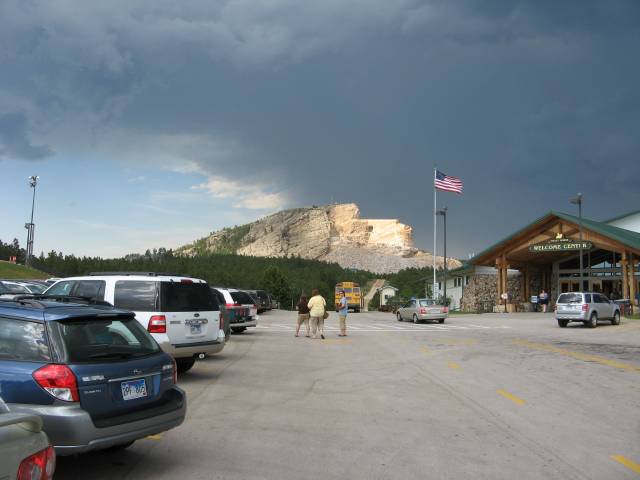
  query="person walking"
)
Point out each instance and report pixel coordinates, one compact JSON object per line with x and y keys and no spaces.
{"x":343,"y":309}
{"x":544,"y":300}
{"x":317,"y":308}
{"x":303,"y":314}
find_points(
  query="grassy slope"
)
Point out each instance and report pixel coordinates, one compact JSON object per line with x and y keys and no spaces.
{"x":11,"y":270}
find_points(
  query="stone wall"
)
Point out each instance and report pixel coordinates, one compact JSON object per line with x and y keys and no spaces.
{"x":481,"y":294}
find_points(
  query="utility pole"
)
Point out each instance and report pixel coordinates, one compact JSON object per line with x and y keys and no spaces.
{"x":443,"y":212}
{"x":33,"y":182}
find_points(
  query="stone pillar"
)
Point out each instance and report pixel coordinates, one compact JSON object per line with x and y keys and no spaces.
{"x":499,"y":281}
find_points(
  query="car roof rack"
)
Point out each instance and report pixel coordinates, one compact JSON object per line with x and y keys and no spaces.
{"x":35,"y":298}
{"x":148,"y":274}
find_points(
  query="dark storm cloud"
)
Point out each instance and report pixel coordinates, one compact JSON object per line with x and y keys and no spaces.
{"x":14,"y":142}
{"x":529,"y":102}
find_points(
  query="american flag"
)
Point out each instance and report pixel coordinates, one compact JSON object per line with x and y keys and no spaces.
{"x":447,"y":183}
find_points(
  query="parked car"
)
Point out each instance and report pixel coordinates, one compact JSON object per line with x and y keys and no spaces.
{"x":240,"y":308}
{"x":32,"y":286}
{"x":422,"y":309}
{"x":13,"y":287}
{"x":26,"y":452}
{"x":91,"y":372}
{"x":178,"y":311}
{"x":586,"y":307}
{"x":263,"y":298}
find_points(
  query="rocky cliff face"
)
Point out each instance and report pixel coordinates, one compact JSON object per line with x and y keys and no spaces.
{"x":334,"y":233}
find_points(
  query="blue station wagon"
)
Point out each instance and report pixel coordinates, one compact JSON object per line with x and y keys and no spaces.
{"x":93,"y":374}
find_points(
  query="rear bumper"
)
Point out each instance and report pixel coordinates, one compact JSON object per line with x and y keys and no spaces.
{"x":432,"y":316}
{"x":573,"y":317}
{"x":184,"y":350}
{"x":71,"y":430}
{"x":248,"y":323}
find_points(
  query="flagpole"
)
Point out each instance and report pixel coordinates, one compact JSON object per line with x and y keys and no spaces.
{"x":435,"y":224}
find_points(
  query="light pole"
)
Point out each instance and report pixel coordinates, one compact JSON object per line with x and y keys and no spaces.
{"x":443,"y":212}
{"x":577,"y":200}
{"x":33,"y":182}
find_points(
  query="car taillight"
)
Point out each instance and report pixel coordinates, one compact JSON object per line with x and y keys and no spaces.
{"x":423,"y":310}
{"x":231,"y":305}
{"x":221,"y":322}
{"x":186,"y":280}
{"x":59,"y":381}
{"x":445,"y":310}
{"x":39,"y":466}
{"x":585,"y":307}
{"x":157,"y":324}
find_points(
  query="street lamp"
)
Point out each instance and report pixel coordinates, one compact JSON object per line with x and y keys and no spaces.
{"x":443,"y":212}
{"x":33,"y":182}
{"x":577,"y":200}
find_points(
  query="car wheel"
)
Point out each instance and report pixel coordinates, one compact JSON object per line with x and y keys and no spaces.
{"x":185,"y":364}
{"x":593,"y":320}
{"x":399,"y":317}
{"x":562,"y":323}
{"x":238,"y":329}
{"x":441,"y":320}
{"x":415,"y":318}
{"x":616,"y":319}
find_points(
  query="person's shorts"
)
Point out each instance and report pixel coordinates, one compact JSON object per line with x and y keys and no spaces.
{"x":303,"y":318}
{"x":343,"y":322}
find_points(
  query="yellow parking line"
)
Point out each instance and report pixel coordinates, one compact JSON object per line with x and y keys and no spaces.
{"x":513,"y":398}
{"x":579,"y":356}
{"x":155,"y":437}
{"x":453,"y":365}
{"x":426,"y":351}
{"x":627,"y":463}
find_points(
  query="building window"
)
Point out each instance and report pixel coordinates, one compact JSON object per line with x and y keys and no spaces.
{"x":466,"y":280}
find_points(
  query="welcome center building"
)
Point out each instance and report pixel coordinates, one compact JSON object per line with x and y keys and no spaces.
{"x":545,"y":255}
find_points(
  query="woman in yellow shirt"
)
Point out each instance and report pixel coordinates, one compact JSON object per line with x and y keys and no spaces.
{"x":317,"y":307}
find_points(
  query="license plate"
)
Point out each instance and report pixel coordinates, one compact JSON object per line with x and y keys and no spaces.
{"x":434,"y":310}
{"x":196,"y":329}
{"x":133,"y":389}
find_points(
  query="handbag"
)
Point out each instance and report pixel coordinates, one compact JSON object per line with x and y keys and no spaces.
{"x":326,"y":315}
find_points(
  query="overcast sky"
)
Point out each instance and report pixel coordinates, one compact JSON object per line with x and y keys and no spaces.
{"x":152,"y":123}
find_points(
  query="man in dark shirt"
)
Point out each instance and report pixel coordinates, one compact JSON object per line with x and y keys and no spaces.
{"x":303,"y":314}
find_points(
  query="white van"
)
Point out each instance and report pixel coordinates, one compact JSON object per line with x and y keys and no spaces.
{"x":180,"y":312}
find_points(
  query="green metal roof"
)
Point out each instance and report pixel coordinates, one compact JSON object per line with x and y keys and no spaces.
{"x":621,"y":216}
{"x":627,"y":237}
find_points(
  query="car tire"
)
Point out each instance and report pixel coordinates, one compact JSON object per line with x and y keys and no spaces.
{"x":593,"y":320}
{"x":563,"y":323}
{"x":399,"y":317}
{"x":185,"y":364}
{"x":415,"y":318}
{"x":441,"y":320}
{"x":238,"y":329}
{"x":616,"y":319}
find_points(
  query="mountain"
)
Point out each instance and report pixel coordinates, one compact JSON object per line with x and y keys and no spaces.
{"x":332,"y":233}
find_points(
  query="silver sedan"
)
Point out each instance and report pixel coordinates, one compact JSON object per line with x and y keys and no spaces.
{"x":422,"y":309}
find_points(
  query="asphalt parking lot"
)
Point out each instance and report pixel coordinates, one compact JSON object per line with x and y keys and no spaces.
{"x":482,"y":396}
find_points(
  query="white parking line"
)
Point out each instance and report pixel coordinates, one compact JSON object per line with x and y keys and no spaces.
{"x":363,"y":327}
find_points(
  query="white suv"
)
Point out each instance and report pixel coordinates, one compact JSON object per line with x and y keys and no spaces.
{"x":179,"y":312}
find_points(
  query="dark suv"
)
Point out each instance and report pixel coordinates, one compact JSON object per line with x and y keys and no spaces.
{"x":91,"y":372}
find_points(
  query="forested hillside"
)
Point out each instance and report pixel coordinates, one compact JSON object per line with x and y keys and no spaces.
{"x":283,"y":277}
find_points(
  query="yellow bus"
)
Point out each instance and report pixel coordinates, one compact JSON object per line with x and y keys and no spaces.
{"x":352,"y":292}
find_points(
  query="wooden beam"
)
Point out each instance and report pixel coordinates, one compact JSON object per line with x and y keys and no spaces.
{"x":632,"y":282}
{"x":625,"y":276}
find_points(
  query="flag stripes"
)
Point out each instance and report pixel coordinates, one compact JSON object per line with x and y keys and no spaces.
{"x":447,"y":183}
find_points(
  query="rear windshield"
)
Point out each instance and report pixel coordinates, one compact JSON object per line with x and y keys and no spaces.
{"x":570,"y":298}
{"x":23,"y":340}
{"x":35,"y":288}
{"x":187,"y":297}
{"x":136,"y":295}
{"x":98,"y":340}
{"x":15,"y":288}
{"x":427,"y":303}
{"x":242,"y":297}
